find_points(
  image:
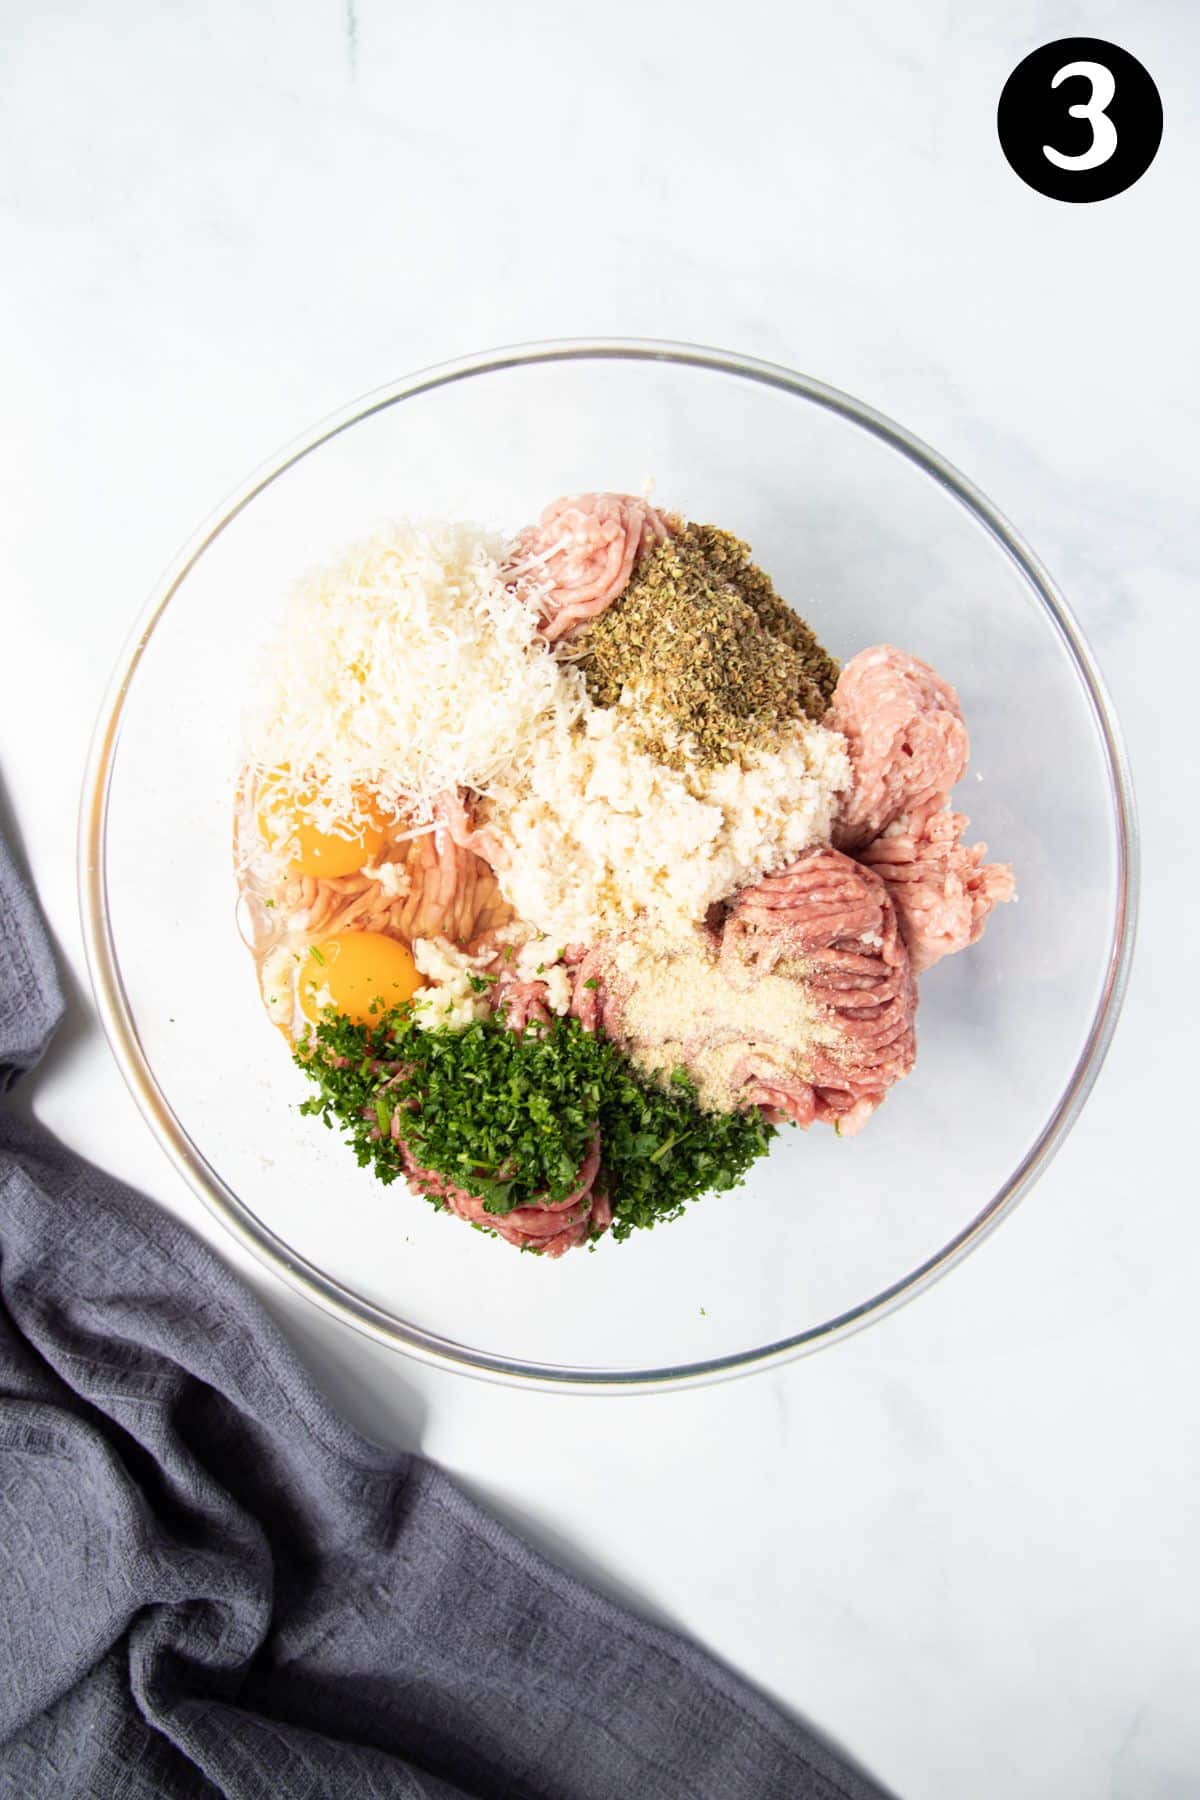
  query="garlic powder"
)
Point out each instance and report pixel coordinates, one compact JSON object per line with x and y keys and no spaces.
{"x":675,"y":1005}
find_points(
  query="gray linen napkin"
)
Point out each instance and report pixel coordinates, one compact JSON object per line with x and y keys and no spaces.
{"x":210,"y":1585}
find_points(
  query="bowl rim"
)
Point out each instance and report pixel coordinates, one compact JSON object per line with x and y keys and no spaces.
{"x":343,"y":1302}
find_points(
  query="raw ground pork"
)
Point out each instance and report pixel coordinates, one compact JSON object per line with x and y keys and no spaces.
{"x":907,"y":741}
{"x":431,"y":887}
{"x":942,"y":890}
{"x":832,"y":922}
{"x":579,"y":556}
{"x":836,"y":921}
{"x":908,"y":746}
{"x":550,"y":1230}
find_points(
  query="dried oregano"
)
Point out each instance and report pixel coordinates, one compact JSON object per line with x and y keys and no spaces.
{"x":717,"y":660}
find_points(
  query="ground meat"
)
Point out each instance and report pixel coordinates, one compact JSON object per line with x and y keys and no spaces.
{"x":943,"y":892}
{"x":906,"y":737}
{"x":823,"y":922}
{"x":454,"y":820}
{"x":832,"y":922}
{"x":579,"y":556}
{"x":524,"y":1002}
{"x":594,"y":1002}
{"x":426,"y":886}
{"x":550,"y":1229}
{"x":908,"y":746}
{"x":453,"y":893}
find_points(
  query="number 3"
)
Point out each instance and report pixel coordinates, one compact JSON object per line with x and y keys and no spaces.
{"x":1104,"y":132}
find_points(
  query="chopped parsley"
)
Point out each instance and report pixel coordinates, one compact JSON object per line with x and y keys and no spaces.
{"x":511,"y":1116}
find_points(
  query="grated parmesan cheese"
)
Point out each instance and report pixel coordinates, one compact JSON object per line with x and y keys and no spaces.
{"x":404,"y":669}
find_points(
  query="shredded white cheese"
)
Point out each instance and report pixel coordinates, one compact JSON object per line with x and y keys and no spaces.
{"x":403,"y":669}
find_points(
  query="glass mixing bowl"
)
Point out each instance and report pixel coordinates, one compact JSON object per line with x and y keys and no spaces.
{"x":873,"y":538}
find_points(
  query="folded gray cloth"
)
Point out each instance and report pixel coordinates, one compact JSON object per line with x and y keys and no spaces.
{"x":210,"y":1585}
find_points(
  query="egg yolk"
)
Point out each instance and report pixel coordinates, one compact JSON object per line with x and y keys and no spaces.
{"x":284,"y":821}
{"x":360,"y":973}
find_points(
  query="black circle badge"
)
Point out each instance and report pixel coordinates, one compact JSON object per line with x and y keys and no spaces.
{"x":1080,"y":119}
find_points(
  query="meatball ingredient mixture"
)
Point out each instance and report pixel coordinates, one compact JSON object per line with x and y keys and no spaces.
{"x":574,"y":867}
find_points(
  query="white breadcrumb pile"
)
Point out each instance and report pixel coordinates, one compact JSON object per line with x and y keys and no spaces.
{"x":402,"y":670}
{"x":600,"y":835}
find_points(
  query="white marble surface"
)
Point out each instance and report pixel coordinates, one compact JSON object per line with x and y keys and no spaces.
{"x":964,"y":1544}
